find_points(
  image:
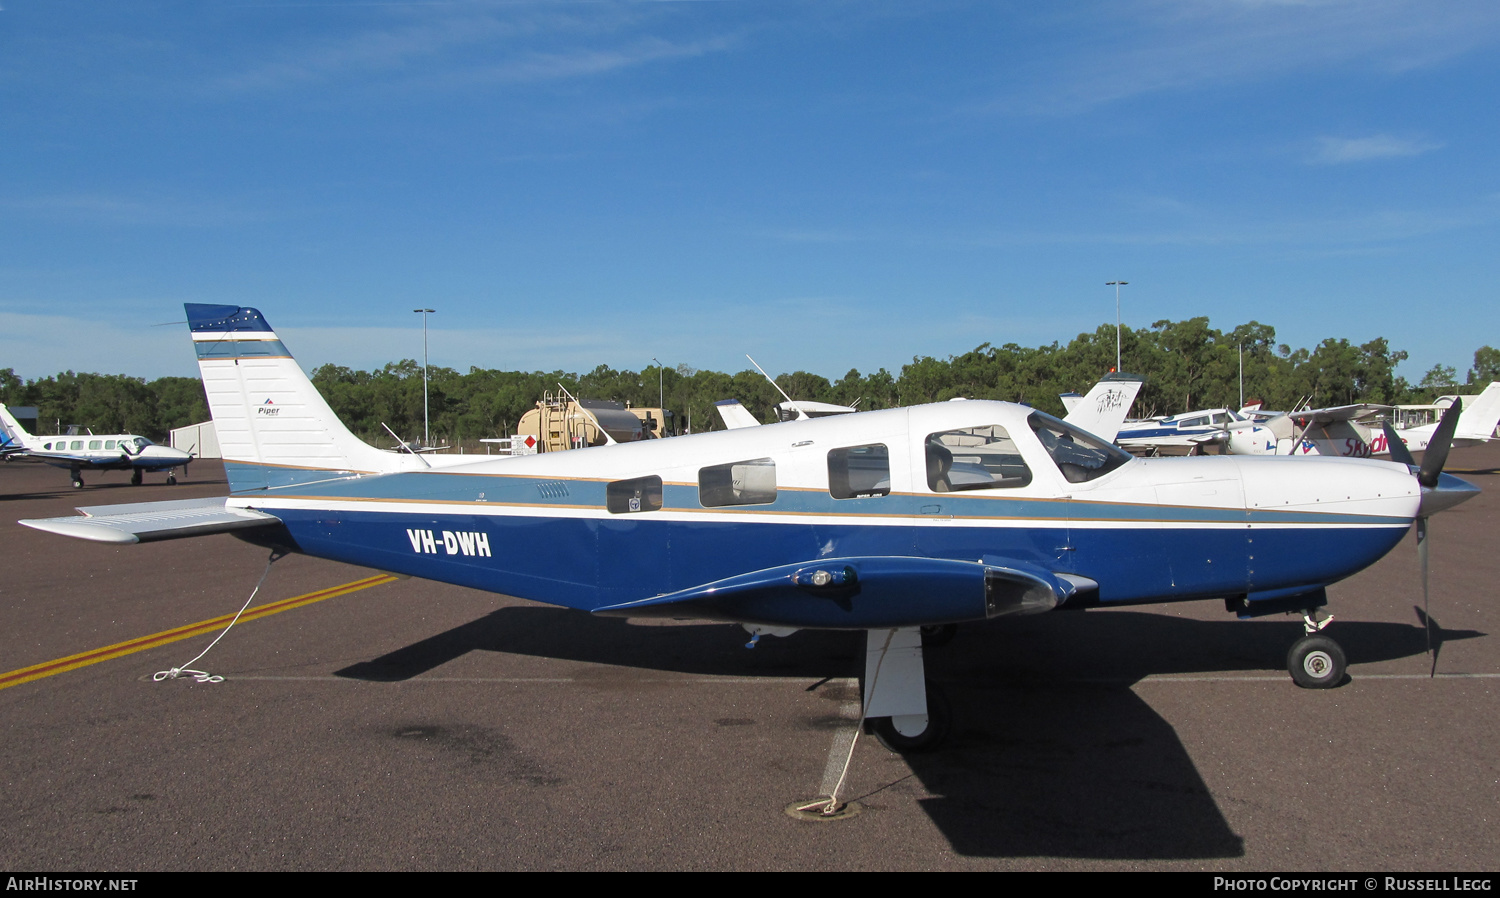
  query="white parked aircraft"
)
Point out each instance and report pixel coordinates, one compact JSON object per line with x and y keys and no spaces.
{"x":88,"y":451}
{"x":884,"y":521}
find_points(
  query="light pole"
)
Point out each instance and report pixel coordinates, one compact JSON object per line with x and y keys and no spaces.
{"x":1117,"y":285}
{"x":1242,"y":375}
{"x":426,"y":436}
{"x":661,"y":392}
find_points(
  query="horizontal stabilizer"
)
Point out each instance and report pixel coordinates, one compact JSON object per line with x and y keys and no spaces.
{"x":147,"y":521}
{"x":863,"y":593}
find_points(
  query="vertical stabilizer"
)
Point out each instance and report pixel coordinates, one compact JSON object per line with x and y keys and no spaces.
{"x":735,"y":414}
{"x":1481,"y":415}
{"x":12,"y":435}
{"x":1103,"y":410}
{"x":274,"y":428}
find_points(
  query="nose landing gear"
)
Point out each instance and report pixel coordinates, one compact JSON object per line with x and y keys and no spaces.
{"x":1315,"y":661}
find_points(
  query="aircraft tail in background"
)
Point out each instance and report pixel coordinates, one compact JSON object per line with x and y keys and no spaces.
{"x":1480,"y":417}
{"x":1103,"y":410}
{"x":13,"y":437}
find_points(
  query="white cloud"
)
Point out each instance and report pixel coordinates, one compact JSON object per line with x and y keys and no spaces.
{"x":1337,"y":150}
{"x":469,"y":45}
{"x":1165,"y":45}
{"x":120,"y":209}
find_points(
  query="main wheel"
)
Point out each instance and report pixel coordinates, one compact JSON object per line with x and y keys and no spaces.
{"x":1316,"y":662}
{"x":939,"y":722}
{"x":136,"y":476}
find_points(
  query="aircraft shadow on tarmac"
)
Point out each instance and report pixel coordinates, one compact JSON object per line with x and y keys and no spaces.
{"x":1052,"y":754}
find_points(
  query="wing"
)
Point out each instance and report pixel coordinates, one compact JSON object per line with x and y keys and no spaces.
{"x":1337,"y":413}
{"x":865,"y":592}
{"x":147,"y":521}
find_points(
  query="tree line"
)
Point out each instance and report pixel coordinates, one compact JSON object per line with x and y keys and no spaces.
{"x":1187,"y":365}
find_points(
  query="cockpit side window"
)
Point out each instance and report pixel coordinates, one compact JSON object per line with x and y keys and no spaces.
{"x":859,"y":472}
{"x":1080,"y":456}
{"x":974,"y":458}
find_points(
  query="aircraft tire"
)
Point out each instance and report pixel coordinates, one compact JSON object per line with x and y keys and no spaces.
{"x":939,"y":722}
{"x":1316,"y":662}
{"x":77,"y":483}
{"x":935,"y":635}
{"x":171,"y":478}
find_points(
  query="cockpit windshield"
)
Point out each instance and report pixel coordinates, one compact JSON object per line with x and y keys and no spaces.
{"x":1080,"y":455}
{"x":134,"y":445}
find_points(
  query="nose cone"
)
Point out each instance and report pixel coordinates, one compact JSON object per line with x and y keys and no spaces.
{"x":1448,"y":492}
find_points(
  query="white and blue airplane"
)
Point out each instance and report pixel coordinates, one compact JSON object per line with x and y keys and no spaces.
{"x":884,"y":521}
{"x":88,"y":451}
{"x":1198,"y":430}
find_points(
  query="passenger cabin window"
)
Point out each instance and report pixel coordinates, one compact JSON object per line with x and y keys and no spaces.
{"x":975,"y":458}
{"x":78,"y":444}
{"x":1080,"y":455}
{"x":750,"y":482}
{"x":96,"y":444}
{"x":631,"y":496}
{"x":859,"y":472}
{"x":109,"y":444}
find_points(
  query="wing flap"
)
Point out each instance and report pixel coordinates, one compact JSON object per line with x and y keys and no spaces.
{"x":147,"y":521}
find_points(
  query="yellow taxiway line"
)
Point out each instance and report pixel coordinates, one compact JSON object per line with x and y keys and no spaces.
{"x":119,"y":649}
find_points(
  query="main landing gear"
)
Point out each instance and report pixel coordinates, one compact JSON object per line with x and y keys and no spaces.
{"x":136,"y":476}
{"x":77,"y":479}
{"x":1315,"y":661}
{"x":905,"y":711}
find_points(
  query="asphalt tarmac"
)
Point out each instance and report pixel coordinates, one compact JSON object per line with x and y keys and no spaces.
{"x":410,"y":725}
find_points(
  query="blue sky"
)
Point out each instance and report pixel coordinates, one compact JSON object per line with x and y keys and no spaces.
{"x":824,"y":185}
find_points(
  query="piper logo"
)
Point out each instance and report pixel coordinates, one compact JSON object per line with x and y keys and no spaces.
{"x":267,"y":408}
{"x":464,"y":542}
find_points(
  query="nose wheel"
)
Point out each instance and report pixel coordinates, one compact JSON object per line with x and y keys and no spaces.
{"x":1316,"y":662}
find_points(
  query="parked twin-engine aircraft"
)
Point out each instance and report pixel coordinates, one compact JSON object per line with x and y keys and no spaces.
{"x":97,"y":452}
{"x":883,"y":521}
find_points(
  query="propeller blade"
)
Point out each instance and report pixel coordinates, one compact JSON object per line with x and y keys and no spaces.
{"x":1399,"y":452}
{"x":1437,"y":451}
